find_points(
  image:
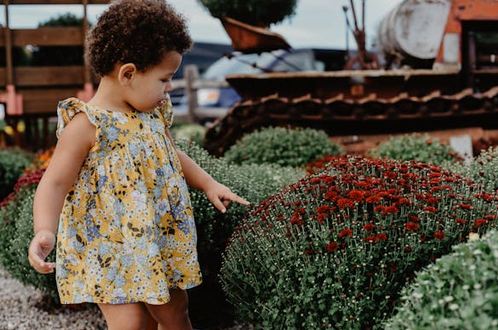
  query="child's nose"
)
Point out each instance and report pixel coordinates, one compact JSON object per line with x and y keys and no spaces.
{"x":168,"y":87}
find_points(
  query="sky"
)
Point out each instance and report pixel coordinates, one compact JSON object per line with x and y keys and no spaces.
{"x":317,"y":23}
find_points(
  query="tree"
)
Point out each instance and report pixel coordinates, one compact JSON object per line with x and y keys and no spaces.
{"x":255,"y":12}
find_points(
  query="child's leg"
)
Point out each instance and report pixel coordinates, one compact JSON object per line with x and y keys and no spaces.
{"x":174,"y":314}
{"x":125,"y":316}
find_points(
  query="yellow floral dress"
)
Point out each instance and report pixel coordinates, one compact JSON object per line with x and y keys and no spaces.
{"x":126,"y":231}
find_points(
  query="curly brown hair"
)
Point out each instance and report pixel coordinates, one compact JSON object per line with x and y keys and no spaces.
{"x":135,"y":31}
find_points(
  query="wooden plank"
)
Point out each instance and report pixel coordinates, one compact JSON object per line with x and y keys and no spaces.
{"x":49,"y":76}
{"x":57,"y":2}
{"x":45,"y":36}
{"x":48,"y":36}
{"x":45,"y":100}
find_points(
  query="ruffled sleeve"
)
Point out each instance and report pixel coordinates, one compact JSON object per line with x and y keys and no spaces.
{"x":166,"y":111}
{"x":68,"y":108}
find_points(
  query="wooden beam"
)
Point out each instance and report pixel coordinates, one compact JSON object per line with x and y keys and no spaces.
{"x":45,"y":36}
{"x":45,"y":100}
{"x":46,"y":76}
{"x":57,"y":2}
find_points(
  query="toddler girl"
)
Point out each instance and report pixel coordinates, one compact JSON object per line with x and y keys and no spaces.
{"x":115,"y":193}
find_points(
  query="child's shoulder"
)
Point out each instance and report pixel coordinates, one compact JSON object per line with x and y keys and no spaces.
{"x":67,"y":111}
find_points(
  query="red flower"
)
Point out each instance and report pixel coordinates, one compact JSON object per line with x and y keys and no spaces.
{"x":346,"y":232}
{"x":296,"y":219}
{"x":412,"y":226}
{"x":370,"y":239}
{"x":413,"y":218}
{"x":403,"y":201}
{"x":465,"y":206}
{"x":484,"y":196}
{"x":331,"y":247}
{"x":321,"y":217}
{"x":344,"y":203}
{"x":373,"y":199}
{"x":480,"y":222}
{"x":391,"y":209}
{"x":430,"y":209}
{"x":460,"y":221}
{"x":361,"y":184}
{"x":381,"y":237}
{"x":330,"y":195}
{"x":379,"y":208}
{"x":439,"y":234}
{"x":356,"y":195}
{"x":323,"y":209}
{"x":369,"y":226}
{"x":490,"y":217}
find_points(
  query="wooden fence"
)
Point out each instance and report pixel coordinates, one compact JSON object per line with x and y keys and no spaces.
{"x":191,"y":84}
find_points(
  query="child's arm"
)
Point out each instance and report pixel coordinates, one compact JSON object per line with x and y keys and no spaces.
{"x":72,"y":148}
{"x":218,"y":194}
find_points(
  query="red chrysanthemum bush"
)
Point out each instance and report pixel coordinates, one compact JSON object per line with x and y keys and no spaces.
{"x":334,"y":249}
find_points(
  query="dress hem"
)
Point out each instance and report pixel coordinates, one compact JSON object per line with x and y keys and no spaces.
{"x":150,"y":301}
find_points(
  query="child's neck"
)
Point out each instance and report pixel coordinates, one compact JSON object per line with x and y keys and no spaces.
{"x":108,"y":96}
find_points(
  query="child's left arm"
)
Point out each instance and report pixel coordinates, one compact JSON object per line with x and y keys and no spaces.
{"x":217,"y":193}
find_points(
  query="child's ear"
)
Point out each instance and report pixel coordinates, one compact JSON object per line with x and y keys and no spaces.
{"x":126,"y":73}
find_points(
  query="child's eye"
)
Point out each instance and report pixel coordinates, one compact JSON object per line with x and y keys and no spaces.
{"x":166,"y":80}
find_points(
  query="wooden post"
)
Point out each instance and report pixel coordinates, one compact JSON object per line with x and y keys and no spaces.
{"x":8,"y":47}
{"x":191,"y":75}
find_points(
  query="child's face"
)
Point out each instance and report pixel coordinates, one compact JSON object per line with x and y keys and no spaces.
{"x":147,"y":89}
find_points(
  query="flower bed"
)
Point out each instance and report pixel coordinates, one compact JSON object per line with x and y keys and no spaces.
{"x":335,"y":249}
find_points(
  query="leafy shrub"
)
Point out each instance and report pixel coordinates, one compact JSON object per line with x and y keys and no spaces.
{"x":421,"y":148}
{"x":282,"y":146}
{"x":253,"y":182}
{"x":16,"y":232}
{"x":256,"y":12}
{"x":13,"y":162}
{"x":335,"y":249}
{"x":190,"y":132}
{"x":484,"y":169}
{"x":459,"y":291}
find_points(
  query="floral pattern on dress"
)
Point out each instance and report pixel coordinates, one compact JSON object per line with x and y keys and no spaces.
{"x":126,"y":231}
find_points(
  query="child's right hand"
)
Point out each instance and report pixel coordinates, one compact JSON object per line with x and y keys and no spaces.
{"x":42,"y":244}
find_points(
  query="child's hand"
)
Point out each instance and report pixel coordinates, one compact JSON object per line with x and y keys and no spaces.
{"x":221,"y":196}
{"x":42,"y":244}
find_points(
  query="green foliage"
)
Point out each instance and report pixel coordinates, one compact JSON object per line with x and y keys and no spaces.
{"x":255,"y":12}
{"x":282,"y":146}
{"x":190,"y":132}
{"x":253,"y":182}
{"x":67,"y":19}
{"x":335,"y":249}
{"x":16,"y":232}
{"x":13,"y":162}
{"x":484,"y":169}
{"x":421,"y":148}
{"x":460,"y":291}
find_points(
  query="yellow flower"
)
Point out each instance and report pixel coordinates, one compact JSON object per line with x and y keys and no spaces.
{"x":21,"y":126}
{"x":8,"y":130}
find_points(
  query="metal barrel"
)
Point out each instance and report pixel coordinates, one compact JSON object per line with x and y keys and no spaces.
{"x":414,"y":29}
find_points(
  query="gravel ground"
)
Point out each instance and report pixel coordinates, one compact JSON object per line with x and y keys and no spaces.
{"x":20,"y":310}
